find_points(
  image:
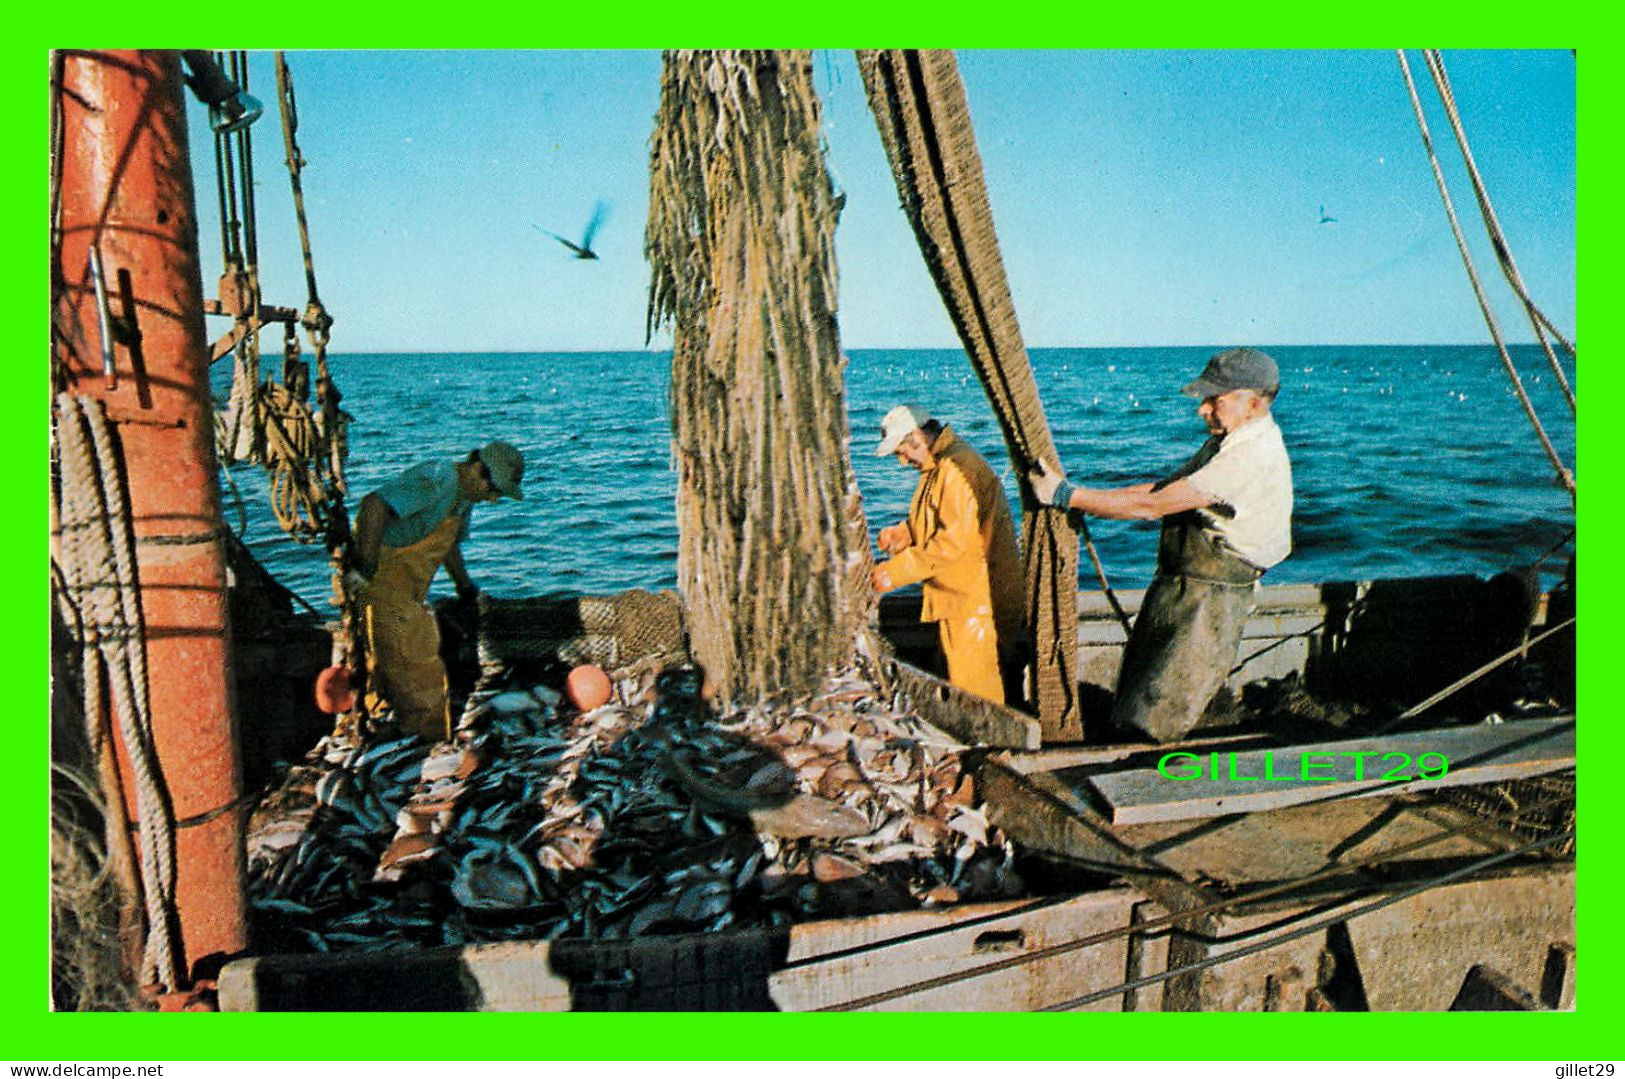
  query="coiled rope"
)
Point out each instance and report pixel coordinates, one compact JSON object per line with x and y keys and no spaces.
{"x":269,"y":422}
{"x":1564,"y":476}
{"x":293,"y":450}
{"x":101,"y":583}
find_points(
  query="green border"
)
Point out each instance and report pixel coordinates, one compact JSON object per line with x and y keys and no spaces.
{"x":35,"y":1034}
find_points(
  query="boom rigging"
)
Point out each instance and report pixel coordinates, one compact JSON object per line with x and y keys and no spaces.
{"x":1542,"y":325}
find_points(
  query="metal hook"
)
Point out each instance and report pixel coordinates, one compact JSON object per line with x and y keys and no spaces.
{"x":104,"y":318}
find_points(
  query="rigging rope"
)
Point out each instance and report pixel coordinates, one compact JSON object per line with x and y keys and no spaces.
{"x":1503,"y":250}
{"x":1564,"y":476}
{"x":1553,"y":549}
{"x":330,"y":419}
{"x":240,"y":291}
{"x":245,"y":161}
{"x":919,"y":105}
{"x":1472,"y":676}
{"x":326,"y":485}
{"x":102,"y":589}
{"x":268,"y":422}
{"x":1100,"y":574}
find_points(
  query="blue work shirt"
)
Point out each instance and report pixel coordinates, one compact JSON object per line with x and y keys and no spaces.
{"x":422,"y":497}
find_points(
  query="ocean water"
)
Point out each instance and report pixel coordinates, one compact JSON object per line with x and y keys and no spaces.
{"x":1408,"y":461}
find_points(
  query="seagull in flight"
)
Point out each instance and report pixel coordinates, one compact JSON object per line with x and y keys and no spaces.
{"x":583,"y":250}
{"x":1325,"y":220}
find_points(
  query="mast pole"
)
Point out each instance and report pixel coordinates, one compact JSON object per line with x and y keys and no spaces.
{"x":126,"y":200}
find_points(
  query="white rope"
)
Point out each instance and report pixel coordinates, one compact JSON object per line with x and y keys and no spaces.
{"x":240,"y":440}
{"x":97,"y":548}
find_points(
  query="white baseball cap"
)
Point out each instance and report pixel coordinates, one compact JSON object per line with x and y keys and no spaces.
{"x":899,"y":423}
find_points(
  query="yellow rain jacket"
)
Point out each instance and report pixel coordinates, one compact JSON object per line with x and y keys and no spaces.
{"x":963,"y":550}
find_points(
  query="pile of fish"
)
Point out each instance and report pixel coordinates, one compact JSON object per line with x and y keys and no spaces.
{"x":646,"y":815}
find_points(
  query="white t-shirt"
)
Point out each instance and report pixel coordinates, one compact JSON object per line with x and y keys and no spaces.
{"x":1251,"y":476}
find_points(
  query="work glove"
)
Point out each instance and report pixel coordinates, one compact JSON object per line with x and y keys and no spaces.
{"x":1051,"y":486}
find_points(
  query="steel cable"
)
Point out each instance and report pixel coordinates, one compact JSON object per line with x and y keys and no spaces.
{"x":1312,"y":927}
{"x":1564,"y":476}
{"x":1472,"y":676}
{"x":1159,"y":922}
{"x":1498,"y":240}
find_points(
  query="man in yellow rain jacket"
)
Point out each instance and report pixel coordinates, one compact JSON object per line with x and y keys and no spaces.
{"x":959,"y":542}
{"x":404,"y":532}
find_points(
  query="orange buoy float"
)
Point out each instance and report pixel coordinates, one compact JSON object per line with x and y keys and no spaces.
{"x":587,"y":687}
{"x":335,"y":690}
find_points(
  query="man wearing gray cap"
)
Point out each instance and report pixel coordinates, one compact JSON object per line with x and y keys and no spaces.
{"x":404,"y":532}
{"x":1226,"y":518}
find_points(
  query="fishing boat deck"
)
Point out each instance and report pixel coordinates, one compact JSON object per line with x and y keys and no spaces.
{"x":1384,"y":901}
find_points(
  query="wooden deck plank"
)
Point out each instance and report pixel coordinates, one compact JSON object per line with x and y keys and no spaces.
{"x":1252,"y":849}
{"x":802,"y":967}
{"x":844,"y":968}
{"x":972,"y":719}
{"x":1274,"y":779}
{"x":1041,"y":812}
{"x":1067,"y":757}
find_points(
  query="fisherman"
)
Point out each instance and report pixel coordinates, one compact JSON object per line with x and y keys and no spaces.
{"x":959,"y":542}
{"x":1226,"y":518}
{"x":404,"y":532}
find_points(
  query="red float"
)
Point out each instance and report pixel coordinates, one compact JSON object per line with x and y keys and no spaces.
{"x":335,"y":690}
{"x":587,"y":687}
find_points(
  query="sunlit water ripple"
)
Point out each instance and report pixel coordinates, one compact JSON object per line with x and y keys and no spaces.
{"x":1408,"y":461}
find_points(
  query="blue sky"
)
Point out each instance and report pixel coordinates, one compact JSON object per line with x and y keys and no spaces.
{"x":1141,"y":197}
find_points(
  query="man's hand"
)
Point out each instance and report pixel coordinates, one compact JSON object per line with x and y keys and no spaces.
{"x":880,"y":578}
{"x":894,"y":538}
{"x":1050,"y":485}
{"x":355,"y":582}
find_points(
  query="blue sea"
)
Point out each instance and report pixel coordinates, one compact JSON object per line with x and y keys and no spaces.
{"x":1408,"y":460}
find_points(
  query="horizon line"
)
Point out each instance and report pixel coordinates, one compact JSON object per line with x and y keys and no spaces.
{"x":921,"y":348}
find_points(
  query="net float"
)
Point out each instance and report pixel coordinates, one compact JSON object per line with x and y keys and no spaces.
{"x":587,"y":687}
{"x":335,"y":690}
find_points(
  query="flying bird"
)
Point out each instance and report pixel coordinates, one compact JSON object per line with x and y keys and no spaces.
{"x":1325,"y":220}
{"x":583,"y":250}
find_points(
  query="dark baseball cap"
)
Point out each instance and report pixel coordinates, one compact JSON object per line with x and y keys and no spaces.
{"x":1236,"y":369}
{"x":506,"y":467}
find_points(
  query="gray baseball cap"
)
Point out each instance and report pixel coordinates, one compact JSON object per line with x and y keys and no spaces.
{"x":1236,"y":369}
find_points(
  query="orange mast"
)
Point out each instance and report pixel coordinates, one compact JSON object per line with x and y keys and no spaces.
{"x":126,"y":196}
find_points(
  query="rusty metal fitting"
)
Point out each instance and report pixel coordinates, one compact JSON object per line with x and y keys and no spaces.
{"x":203,"y":996}
{"x":234,"y":293}
{"x":317,"y":321}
